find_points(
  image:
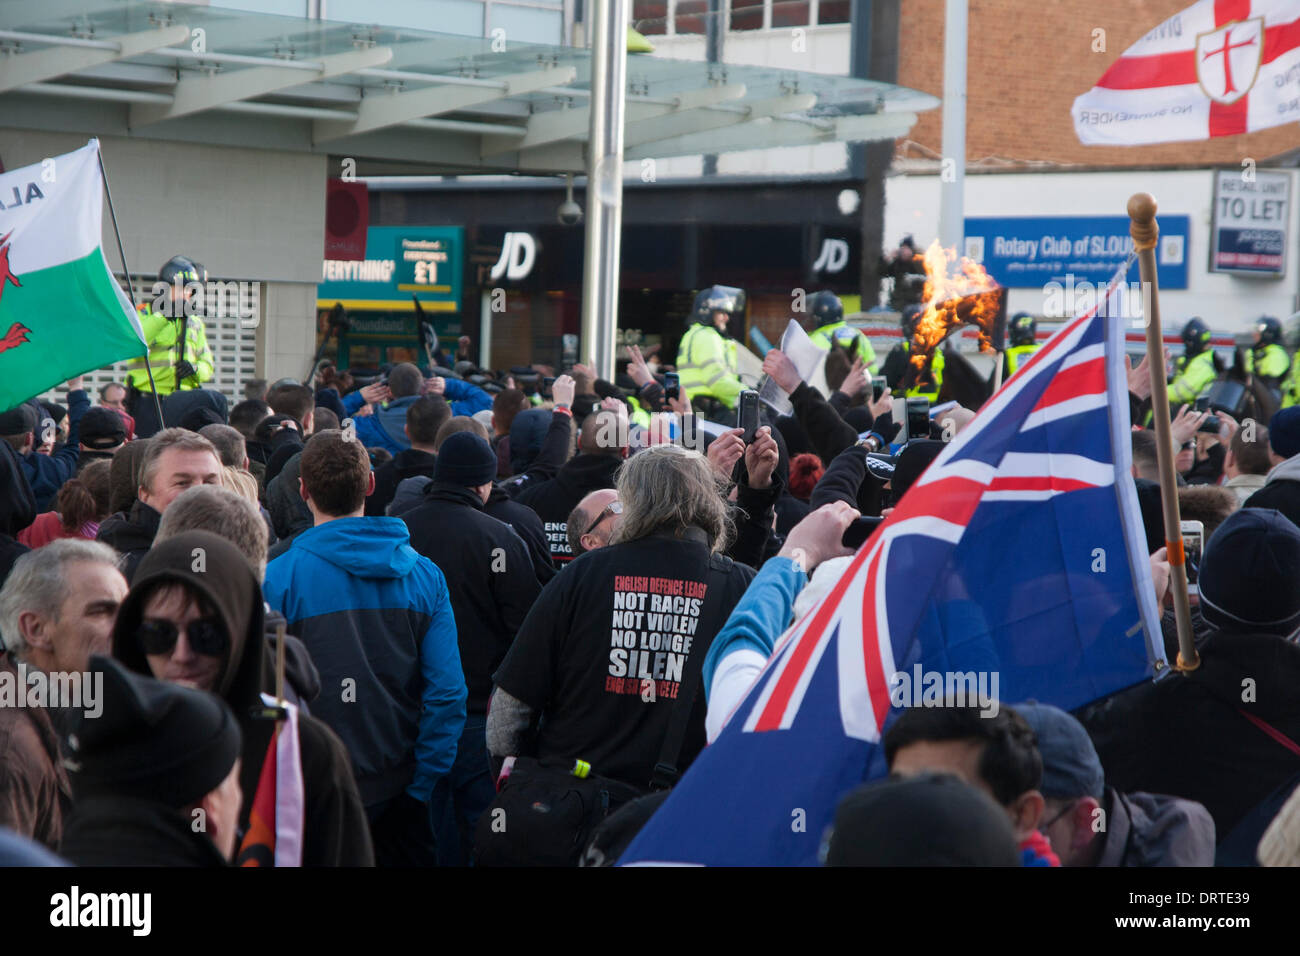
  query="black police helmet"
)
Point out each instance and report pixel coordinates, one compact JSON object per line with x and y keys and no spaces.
{"x":181,"y":267}
{"x":1024,"y":329}
{"x":1270,"y":330}
{"x":826,"y":307}
{"x":1196,"y":334}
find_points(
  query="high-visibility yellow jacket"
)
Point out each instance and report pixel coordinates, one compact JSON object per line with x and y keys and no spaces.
{"x":1191,"y":377}
{"x":826,"y":336}
{"x":166,"y":348}
{"x":1274,"y":362}
{"x":1018,"y":355}
{"x":923,"y":389}
{"x":706,"y":365}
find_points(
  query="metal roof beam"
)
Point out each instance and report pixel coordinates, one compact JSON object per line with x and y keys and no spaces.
{"x":378,"y":111}
{"x":193,"y":94}
{"x":62,"y":59}
{"x":703,"y":119}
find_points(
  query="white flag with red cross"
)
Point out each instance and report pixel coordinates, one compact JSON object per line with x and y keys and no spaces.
{"x":1218,"y":68}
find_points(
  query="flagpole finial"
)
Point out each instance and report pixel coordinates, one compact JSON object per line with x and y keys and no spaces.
{"x":1142,"y":215}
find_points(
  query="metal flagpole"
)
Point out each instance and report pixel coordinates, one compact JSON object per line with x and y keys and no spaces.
{"x":1145,"y":232}
{"x":130,"y":291}
{"x":600,"y":273}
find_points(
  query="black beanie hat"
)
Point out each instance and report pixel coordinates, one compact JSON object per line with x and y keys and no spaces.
{"x":18,"y":420}
{"x":1250,"y":574}
{"x":151,"y":740}
{"x":916,"y":456}
{"x":465,"y":460}
{"x":928,"y":820}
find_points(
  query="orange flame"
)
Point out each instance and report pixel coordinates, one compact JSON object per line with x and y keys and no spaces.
{"x":956,"y":293}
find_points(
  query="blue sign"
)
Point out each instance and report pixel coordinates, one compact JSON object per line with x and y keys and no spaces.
{"x":1027,"y":252}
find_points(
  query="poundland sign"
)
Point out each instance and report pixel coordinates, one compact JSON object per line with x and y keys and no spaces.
{"x":400,"y":261}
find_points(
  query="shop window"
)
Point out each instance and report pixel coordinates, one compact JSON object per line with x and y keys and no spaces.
{"x":790,"y":13}
{"x":746,"y":14}
{"x":834,"y":11}
{"x":650,"y":16}
{"x":691,"y":16}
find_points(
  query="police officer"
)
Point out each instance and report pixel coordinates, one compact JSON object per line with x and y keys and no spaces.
{"x":930,"y":380}
{"x":707,"y":367}
{"x":1267,"y":359}
{"x":828,"y":329}
{"x":1023,"y":332}
{"x":1198,"y":367}
{"x":178,"y":343}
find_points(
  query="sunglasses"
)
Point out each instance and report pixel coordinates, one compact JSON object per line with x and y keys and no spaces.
{"x":613,"y":508}
{"x":206,"y":635}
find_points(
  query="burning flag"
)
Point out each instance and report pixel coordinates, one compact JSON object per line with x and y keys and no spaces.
{"x":957,"y":292}
{"x":64,"y":311}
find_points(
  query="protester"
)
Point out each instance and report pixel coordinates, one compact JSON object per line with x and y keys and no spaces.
{"x":931,"y":819}
{"x":113,"y":395}
{"x":602,"y":447}
{"x":198,"y":621}
{"x":384,"y":429}
{"x":1282,"y":484}
{"x":46,"y":473}
{"x":79,"y":508}
{"x":1247,"y":463}
{"x":994,"y":752}
{"x":297,"y":402}
{"x":377,"y":618}
{"x":565,"y":691}
{"x":506,"y":406}
{"x":492,"y":586}
{"x":424,"y":417}
{"x":159,"y":757}
{"x":1222,"y":734}
{"x":56,"y":609}
{"x":176,"y":459}
{"x":102,"y":433}
{"x":1091,"y":824}
{"x":593,"y":521}
{"x":17,"y":507}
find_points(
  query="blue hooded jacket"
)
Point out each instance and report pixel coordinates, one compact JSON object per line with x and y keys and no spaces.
{"x":384,"y":429}
{"x":377,"y":618}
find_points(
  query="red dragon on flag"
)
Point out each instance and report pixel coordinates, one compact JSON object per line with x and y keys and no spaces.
{"x":18,"y":332}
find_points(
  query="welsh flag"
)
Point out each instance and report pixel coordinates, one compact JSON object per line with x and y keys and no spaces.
{"x":1218,"y":68}
{"x":61,"y":311}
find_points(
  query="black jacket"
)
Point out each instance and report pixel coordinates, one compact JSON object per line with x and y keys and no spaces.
{"x":553,"y":499}
{"x":131,"y":535}
{"x":1189,"y":736}
{"x":17,"y":508}
{"x":528,"y":526}
{"x":1281,"y":491}
{"x":407,"y":463}
{"x":335,"y":830}
{"x":489,"y":576}
{"x":828,"y":433}
{"x":125,"y":831}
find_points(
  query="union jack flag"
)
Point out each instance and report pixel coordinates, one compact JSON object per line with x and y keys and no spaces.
{"x":1019,"y":552}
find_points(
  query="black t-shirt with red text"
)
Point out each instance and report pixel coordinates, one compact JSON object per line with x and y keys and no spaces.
{"x":603,"y":652}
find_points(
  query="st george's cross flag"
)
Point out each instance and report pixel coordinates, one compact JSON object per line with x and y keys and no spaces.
{"x":1017,"y":561}
{"x":1218,"y":68}
{"x":61,"y":311}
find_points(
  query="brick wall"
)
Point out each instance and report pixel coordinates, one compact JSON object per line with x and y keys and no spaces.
{"x":1027,"y":61}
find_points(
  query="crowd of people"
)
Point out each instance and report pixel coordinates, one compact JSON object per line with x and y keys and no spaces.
{"x":463,"y":596}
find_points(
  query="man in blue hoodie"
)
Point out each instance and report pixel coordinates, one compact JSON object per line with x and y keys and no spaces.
{"x":386,"y":428}
{"x":46,"y":473}
{"x":378,"y":621}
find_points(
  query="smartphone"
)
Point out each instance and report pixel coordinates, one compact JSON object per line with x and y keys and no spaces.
{"x":856,"y":534}
{"x":878,"y":385}
{"x":1202,"y":404}
{"x":1210,"y":426}
{"x":1193,"y":546}
{"x":918,"y":418}
{"x":547,"y":382}
{"x":747,"y":414}
{"x":672,"y":386}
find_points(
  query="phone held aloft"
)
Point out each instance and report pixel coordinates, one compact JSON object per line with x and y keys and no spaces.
{"x":747,"y":415}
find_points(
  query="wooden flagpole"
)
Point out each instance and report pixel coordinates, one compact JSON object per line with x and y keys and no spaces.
{"x":1145,"y":232}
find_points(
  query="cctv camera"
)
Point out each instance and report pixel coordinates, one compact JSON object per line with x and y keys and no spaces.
{"x":569,"y":213}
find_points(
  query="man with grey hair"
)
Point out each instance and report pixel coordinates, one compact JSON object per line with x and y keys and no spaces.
{"x":618,"y":637}
{"x":57,"y":608}
{"x":175,"y":460}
